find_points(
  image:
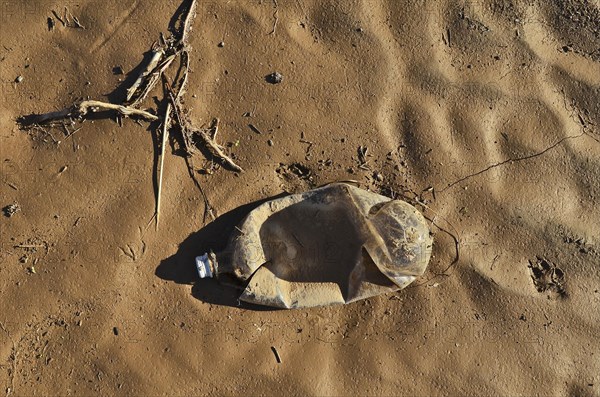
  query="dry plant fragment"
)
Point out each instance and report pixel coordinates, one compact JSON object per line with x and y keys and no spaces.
{"x":165,"y":136}
{"x":153,"y":78}
{"x":154,"y":60}
{"x":81,"y":109}
{"x":162,"y":56}
{"x":215,"y":148}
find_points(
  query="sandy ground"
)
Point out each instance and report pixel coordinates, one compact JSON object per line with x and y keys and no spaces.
{"x":494,"y":104}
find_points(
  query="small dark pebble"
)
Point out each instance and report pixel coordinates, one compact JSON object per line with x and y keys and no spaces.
{"x":274,"y":78}
{"x":116,"y":331}
{"x":118,"y":70}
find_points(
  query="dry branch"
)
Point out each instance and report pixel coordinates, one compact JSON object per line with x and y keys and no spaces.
{"x":153,"y":78}
{"x":215,"y":149}
{"x":187,"y":23}
{"x":156,"y":57}
{"x":81,"y":109}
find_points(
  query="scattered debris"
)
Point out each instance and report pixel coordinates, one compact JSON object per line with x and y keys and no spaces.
{"x":547,"y":276}
{"x":163,"y":54}
{"x":295,"y":170}
{"x":324,"y":163}
{"x":75,"y":23}
{"x":582,"y":245}
{"x":274,"y":78}
{"x":11,"y":209}
{"x":68,"y":20}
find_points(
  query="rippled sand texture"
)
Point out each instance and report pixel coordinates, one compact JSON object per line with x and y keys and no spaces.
{"x":493,"y":104}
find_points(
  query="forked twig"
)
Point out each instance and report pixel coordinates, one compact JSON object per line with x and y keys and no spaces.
{"x":215,"y":149}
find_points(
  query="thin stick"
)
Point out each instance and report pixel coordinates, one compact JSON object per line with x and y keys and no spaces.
{"x":186,"y":67}
{"x":156,"y":57}
{"x":215,"y":128}
{"x":30,"y":246}
{"x":59,"y":18}
{"x":153,"y":79}
{"x":162,"y":160}
{"x":183,"y":124}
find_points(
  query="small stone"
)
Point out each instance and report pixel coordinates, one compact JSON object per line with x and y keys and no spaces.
{"x":378,"y":176}
{"x":274,"y":78}
{"x":11,"y":209}
{"x":116,"y":331}
{"x":221,"y":44}
{"x":19,"y":79}
{"x":270,"y":142}
{"x":118,"y":70}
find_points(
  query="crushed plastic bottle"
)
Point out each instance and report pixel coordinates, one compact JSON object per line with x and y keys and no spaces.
{"x":332,"y":245}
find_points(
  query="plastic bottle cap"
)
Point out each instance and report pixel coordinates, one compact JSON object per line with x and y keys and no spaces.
{"x":203,"y":266}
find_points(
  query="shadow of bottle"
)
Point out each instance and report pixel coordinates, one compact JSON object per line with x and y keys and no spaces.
{"x":181,"y":269}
